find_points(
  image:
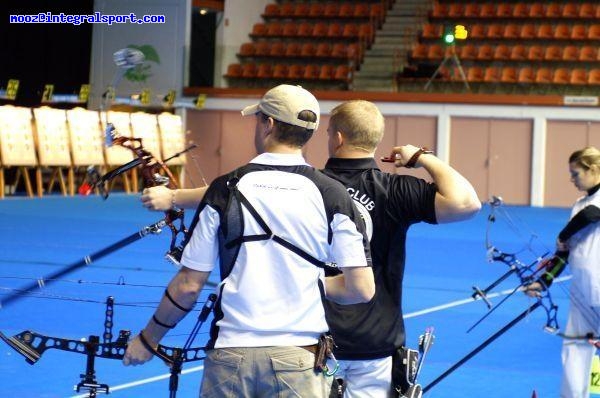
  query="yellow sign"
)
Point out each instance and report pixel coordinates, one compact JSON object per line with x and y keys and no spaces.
{"x":460,"y":32}
{"x":595,"y":376}
{"x":84,"y":92}
{"x":145,"y":96}
{"x":170,"y":97}
{"x":200,"y":101}
{"x":12,"y":88}
{"x":48,"y":92}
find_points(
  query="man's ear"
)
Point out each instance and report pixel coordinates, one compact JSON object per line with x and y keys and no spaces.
{"x":338,"y":139}
{"x":269,"y":123}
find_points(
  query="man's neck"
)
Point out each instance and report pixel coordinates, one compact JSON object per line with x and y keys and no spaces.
{"x":283,"y":149}
{"x":353,"y":153}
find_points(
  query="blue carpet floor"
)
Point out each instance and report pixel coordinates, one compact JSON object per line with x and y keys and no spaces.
{"x":40,"y":236}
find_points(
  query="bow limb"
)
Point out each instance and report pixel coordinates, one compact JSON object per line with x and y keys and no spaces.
{"x":32,"y":346}
{"x":155,"y":172}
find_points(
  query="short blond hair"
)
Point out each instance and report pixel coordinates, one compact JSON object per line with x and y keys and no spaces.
{"x":359,"y":122}
{"x":586,"y":158}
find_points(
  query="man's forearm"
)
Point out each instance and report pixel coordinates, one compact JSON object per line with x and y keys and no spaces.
{"x":179,"y":298}
{"x":188,"y":198}
{"x":355,"y":285}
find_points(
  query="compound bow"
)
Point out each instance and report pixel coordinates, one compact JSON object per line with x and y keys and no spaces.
{"x":150,"y":169}
{"x":32,"y":345}
{"x":527,"y":274}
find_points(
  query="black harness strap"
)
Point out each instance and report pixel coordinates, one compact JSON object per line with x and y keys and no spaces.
{"x":268,"y":233}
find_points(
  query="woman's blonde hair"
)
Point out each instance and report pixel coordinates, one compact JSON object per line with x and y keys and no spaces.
{"x":586,"y":158}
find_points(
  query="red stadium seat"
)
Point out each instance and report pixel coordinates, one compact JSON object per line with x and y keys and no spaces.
{"x":509,"y":75}
{"x":326,"y":72}
{"x":504,"y":10}
{"x":535,"y":53}
{"x":249,"y":70}
{"x":594,"y":77}
{"x":271,"y":10}
{"x":545,"y":31}
{"x":475,"y":74}
{"x":468,"y":51}
{"x":492,"y":74}
{"x":346,"y":10}
{"x":579,"y":32}
{"x":234,"y":70}
{"x":274,"y":29}
{"x":512,"y":31}
{"x":435,"y":52}
{"x":296,"y":72}
{"x":247,"y":50}
{"x":280,"y":71}
{"x":543,"y":76}
{"x":562,"y":31}
{"x":579,"y":76}
{"x":290,"y":29}
{"x":518,"y":52}
{"x":419,"y":51}
{"x":343,"y":73}
{"x":553,"y":10}
{"x":485,"y":52}
{"x":456,"y":10}
{"x":570,"y":10}
{"x":264,"y":71}
{"x":305,"y":29}
{"x":526,"y":75}
{"x":323,"y":50}
{"x":259,"y":29}
{"x":587,"y":10}
{"x":301,"y":10}
{"x":311,"y":72}
{"x":502,"y":52}
{"x":277,"y":49}
{"x":316,"y":10}
{"x":472,"y":10}
{"x":528,"y":31}
{"x":308,"y":50}
{"x":553,"y":53}
{"x":520,"y":10}
{"x":495,"y":31}
{"x":588,"y":53}
{"x":487,"y":10}
{"x":570,"y":53}
{"x":561,"y":76}
{"x":262,"y":48}
{"x":536,"y":10}
{"x":293,"y":50}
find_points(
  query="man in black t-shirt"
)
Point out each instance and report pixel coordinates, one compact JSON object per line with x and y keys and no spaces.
{"x":368,"y":335}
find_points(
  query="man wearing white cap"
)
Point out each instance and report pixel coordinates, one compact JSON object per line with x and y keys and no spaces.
{"x":272,"y":226}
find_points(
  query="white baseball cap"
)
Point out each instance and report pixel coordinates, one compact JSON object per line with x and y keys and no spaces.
{"x":284,"y":103}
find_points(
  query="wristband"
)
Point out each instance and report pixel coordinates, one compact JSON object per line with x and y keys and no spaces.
{"x":160,"y":323}
{"x":413,"y":159}
{"x":173,"y":204}
{"x":145,"y":342}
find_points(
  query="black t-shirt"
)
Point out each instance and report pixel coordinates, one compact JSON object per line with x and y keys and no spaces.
{"x":389,"y":204}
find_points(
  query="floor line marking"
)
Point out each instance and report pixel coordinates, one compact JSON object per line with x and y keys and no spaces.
{"x":144,"y":381}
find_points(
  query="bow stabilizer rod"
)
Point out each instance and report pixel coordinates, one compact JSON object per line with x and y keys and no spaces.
{"x":483,"y":345}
